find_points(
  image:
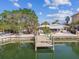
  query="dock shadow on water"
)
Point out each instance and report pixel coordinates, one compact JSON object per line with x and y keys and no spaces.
{"x":26,"y":51}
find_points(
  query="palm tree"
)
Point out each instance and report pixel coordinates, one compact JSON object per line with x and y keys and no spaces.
{"x":67,"y":20}
{"x":55,"y":22}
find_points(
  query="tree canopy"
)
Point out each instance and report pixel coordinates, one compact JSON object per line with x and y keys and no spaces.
{"x":18,"y":20}
{"x":46,"y":29}
{"x":67,"y":20}
{"x":45,"y":23}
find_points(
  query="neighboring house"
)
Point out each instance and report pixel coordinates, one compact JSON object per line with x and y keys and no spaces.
{"x":75,"y":18}
{"x":75,"y":21}
{"x":57,"y":27}
{"x":54,"y":27}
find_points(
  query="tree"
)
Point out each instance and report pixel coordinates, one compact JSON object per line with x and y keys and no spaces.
{"x":21,"y":19}
{"x":45,"y":23}
{"x":46,"y":29}
{"x":55,"y":22}
{"x":67,"y":20}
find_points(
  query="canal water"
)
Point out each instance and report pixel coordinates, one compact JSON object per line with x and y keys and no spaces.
{"x":26,"y":51}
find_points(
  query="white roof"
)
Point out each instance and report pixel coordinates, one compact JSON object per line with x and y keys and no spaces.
{"x":44,"y":26}
{"x":54,"y":26}
{"x":57,"y":26}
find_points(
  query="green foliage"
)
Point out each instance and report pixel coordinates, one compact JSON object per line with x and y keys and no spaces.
{"x":67,"y":20}
{"x":45,"y":23}
{"x":18,"y":20}
{"x":46,"y":30}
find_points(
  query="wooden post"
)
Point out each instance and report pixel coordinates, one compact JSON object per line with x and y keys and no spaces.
{"x":53,"y":44}
{"x":35,"y":44}
{"x":35,"y":48}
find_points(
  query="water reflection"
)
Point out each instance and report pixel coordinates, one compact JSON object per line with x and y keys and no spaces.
{"x":44,"y":54}
{"x":17,"y":51}
{"x":26,"y":51}
{"x":65,"y":52}
{"x":75,"y":47}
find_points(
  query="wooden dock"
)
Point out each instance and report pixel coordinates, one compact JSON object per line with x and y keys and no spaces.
{"x":42,"y":41}
{"x":49,"y":41}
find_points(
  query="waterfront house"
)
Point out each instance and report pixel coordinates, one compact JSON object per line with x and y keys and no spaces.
{"x":53,"y":27}
{"x":75,"y":18}
{"x":75,"y":21}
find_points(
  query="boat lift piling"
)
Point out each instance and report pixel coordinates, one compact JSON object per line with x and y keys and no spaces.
{"x":53,"y":43}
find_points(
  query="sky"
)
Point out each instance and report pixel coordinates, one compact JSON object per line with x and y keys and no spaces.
{"x":46,"y":10}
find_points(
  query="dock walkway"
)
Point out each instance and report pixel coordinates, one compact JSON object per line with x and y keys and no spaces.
{"x":42,"y":41}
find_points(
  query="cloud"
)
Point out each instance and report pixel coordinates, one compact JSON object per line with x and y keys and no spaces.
{"x":40,"y":13}
{"x":15,"y":3}
{"x":29,"y":5}
{"x":68,"y":12}
{"x":50,"y":7}
{"x":62,"y":2}
{"x":47,"y":2}
{"x":61,"y":15}
{"x":14,"y":0}
{"x":78,"y":9}
{"x":56,"y":3}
